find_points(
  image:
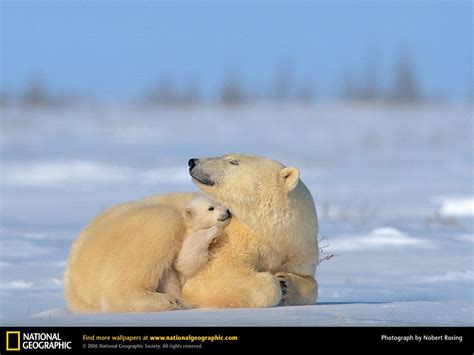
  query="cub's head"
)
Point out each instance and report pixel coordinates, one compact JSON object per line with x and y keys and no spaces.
{"x":202,"y":213}
{"x":243,"y":181}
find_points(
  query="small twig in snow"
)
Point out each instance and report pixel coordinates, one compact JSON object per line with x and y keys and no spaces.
{"x":323,"y":255}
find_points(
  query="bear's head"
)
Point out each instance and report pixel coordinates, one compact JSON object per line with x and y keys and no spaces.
{"x":261,"y":193}
{"x":202,"y":213}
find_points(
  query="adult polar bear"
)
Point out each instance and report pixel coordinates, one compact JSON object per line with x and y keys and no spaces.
{"x":266,"y":256}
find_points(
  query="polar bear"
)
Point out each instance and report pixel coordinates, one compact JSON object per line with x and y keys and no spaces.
{"x":269,"y":253}
{"x":117,"y":261}
{"x":204,"y":220}
{"x":266,"y":256}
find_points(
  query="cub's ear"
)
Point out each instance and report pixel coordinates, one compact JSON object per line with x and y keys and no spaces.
{"x":187,"y":214}
{"x":291,"y":177}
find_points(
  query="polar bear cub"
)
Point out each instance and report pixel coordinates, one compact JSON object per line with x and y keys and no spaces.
{"x":204,"y":220}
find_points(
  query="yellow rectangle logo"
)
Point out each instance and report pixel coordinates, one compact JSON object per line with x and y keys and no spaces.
{"x":13,"y":341}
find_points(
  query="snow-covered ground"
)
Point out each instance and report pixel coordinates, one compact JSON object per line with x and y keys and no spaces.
{"x":393,"y":186}
{"x":344,"y":314}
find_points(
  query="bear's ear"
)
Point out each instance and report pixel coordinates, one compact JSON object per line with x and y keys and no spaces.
{"x":187,"y":214}
{"x":291,"y":177}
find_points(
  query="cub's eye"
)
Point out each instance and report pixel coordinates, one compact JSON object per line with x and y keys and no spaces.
{"x":234,"y":162}
{"x":210,"y":209}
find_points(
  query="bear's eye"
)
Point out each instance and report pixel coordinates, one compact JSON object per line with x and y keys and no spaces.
{"x":234,"y":162}
{"x":210,"y":209}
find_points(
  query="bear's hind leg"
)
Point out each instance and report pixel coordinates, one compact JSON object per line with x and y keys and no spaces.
{"x":75,"y":303}
{"x":238,"y":290}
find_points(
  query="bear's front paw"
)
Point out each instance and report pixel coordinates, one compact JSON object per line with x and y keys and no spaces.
{"x":173,"y":303}
{"x":282,"y":278}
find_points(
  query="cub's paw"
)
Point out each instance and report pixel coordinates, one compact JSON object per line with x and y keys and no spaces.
{"x":283,"y":279}
{"x":212,"y":233}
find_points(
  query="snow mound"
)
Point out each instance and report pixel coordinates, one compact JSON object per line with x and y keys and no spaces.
{"x":16,"y":285}
{"x":50,"y":313}
{"x":457,"y":207}
{"x":380,"y":238}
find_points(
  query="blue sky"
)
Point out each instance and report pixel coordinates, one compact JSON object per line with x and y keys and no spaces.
{"x":118,"y":49}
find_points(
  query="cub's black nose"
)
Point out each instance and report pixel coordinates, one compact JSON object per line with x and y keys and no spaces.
{"x":192,"y":163}
{"x":228,"y":212}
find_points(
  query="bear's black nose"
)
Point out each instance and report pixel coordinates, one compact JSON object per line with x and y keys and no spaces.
{"x":228,"y":212}
{"x":192,"y":163}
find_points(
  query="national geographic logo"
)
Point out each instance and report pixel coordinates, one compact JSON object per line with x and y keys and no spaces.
{"x":13,"y":341}
{"x":16,"y":341}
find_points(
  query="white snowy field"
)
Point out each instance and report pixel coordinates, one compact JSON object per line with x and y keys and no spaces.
{"x":393,"y":187}
{"x":335,"y":314}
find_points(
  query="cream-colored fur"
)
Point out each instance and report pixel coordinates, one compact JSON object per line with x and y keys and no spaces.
{"x":117,"y":261}
{"x":270,"y":240}
{"x":205,"y":221}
